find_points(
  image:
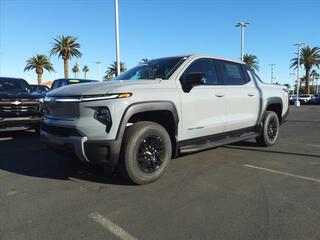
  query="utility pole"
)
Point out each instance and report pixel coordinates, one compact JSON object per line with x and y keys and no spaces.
{"x":98,"y":65}
{"x":297,"y":103}
{"x":272,"y":73}
{"x":242,"y":25}
{"x":117,"y":35}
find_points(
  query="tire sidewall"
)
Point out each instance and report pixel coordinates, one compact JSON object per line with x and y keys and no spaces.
{"x":132,"y":167}
{"x":269,"y":117}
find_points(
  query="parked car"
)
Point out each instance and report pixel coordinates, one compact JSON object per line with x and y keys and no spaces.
{"x":69,"y":81}
{"x":303,"y":98}
{"x":136,"y":123}
{"x":19,"y":108}
{"x":315,"y":99}
{"x":41,"y":89}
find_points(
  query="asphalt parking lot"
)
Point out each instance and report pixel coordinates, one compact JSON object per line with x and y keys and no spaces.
{"x":239,"y":191}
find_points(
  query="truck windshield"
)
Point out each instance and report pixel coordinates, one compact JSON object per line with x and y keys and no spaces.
{"x":13,"y":85}
{"x":161,"y":68}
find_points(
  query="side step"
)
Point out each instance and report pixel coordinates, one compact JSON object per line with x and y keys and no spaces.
{"x":207,"y":143}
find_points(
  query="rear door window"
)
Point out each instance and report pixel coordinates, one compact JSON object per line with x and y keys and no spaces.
{"x":231,"y":73}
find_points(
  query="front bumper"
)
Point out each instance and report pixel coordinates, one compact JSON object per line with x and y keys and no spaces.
{"x":19,"y":122}
{"x":103,"y":153}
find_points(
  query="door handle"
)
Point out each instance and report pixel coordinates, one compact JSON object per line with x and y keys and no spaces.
{"x":250,"y":94}
{"x":219,"y":94}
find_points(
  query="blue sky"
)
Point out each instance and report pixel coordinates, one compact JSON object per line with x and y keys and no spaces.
{"x":156,"y":28}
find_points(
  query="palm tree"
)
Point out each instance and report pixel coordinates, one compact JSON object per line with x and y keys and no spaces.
{"x":85,"y":69}
{"x":112,"y":70}
{"x":75,"y":70}
{"x":67,"y":48}
{"x":309,"y":57}
{"x":252,"y":61}
{"x":39,"y":62}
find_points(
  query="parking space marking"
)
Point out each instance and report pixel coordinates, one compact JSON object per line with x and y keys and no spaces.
{"x":111,"y":227}
{"x":283,"y":173}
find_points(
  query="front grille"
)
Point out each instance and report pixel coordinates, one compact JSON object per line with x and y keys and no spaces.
{"x":21,"y":107}
{"x":60,"y":131}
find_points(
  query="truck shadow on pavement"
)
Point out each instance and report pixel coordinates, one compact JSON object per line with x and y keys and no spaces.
{"x":23,"y":153}
{"x":253,"y":146}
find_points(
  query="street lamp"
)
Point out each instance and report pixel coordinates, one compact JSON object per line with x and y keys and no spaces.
{"x":117,"y":35}
{"x":98,"y":64}
{"x":242,"y":25}
{"x":272,"y":76}
{"x":297,"y":102}
{"x":294,"y":79}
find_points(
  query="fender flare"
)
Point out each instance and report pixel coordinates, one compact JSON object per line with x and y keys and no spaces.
{"x":269,"y":101}
{"x":148,"y":106}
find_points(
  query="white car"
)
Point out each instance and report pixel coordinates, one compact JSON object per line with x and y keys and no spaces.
{"x":303,"y":98}
{"x":160,"y":108}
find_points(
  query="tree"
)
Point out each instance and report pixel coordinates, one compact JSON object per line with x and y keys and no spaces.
{"x":309,"y":58}
{"x":75,"y":70}
{"x":143,"y":60}
{"x":39,"y":62}
{"x":85,"y":69}
{"x":67,"y":48}
{"x":112,"y":70}
{"x":252,"y":61}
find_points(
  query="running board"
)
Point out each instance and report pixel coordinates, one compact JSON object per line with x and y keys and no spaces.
{"x":207,"y":143}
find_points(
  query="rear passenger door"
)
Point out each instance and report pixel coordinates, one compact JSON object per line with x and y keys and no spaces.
{"x":242,"y":96}
{"x":203,"y":108}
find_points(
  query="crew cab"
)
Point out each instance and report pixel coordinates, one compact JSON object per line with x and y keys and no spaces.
{"x":158,"y":109}
{"x":20,"y":109}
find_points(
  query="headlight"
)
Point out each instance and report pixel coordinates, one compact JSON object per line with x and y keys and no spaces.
{"x":87,"y":98}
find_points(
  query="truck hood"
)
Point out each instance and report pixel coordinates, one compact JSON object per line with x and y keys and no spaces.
{"x":106,"y":87}
{"x":19,"y":95}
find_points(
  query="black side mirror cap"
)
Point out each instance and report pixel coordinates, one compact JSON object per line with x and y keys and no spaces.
{"x":193,"y":79}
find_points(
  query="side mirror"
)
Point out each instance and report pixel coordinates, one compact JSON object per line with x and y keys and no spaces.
{"x":193,"y":79}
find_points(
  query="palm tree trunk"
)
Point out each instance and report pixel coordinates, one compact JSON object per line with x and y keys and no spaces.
{"x":66,"y":68}
{"x":85,"y":75}
{"x":308,"y":80}
{"x":39,"y":78}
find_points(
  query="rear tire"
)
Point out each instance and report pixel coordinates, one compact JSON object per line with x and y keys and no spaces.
{"x":146,"y":152}
{"x":270,"y":130}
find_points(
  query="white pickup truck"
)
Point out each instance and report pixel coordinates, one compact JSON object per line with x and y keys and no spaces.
{"x":149,"y":114}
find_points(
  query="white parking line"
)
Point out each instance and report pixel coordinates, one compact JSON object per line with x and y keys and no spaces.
{"x":110,"y":226}
{"x":283,"y":173}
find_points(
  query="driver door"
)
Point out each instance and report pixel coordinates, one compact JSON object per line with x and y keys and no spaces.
{"x":203,"y":108}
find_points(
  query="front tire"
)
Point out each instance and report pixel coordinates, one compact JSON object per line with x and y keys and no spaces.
{"x":146,"y":152}
{"x":270,"y":130}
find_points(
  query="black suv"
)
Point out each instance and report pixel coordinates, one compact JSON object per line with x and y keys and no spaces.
{"x":19,"y":108}
{"x":69,"y":81}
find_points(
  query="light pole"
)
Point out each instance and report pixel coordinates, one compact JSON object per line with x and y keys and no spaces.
{"x":117,"y":35}
{"x":297,"y":102}
{"x":272,"y":76}
{"x":98,"y":64}
{"x":294,"y":79}
{"x":242,"y":25}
